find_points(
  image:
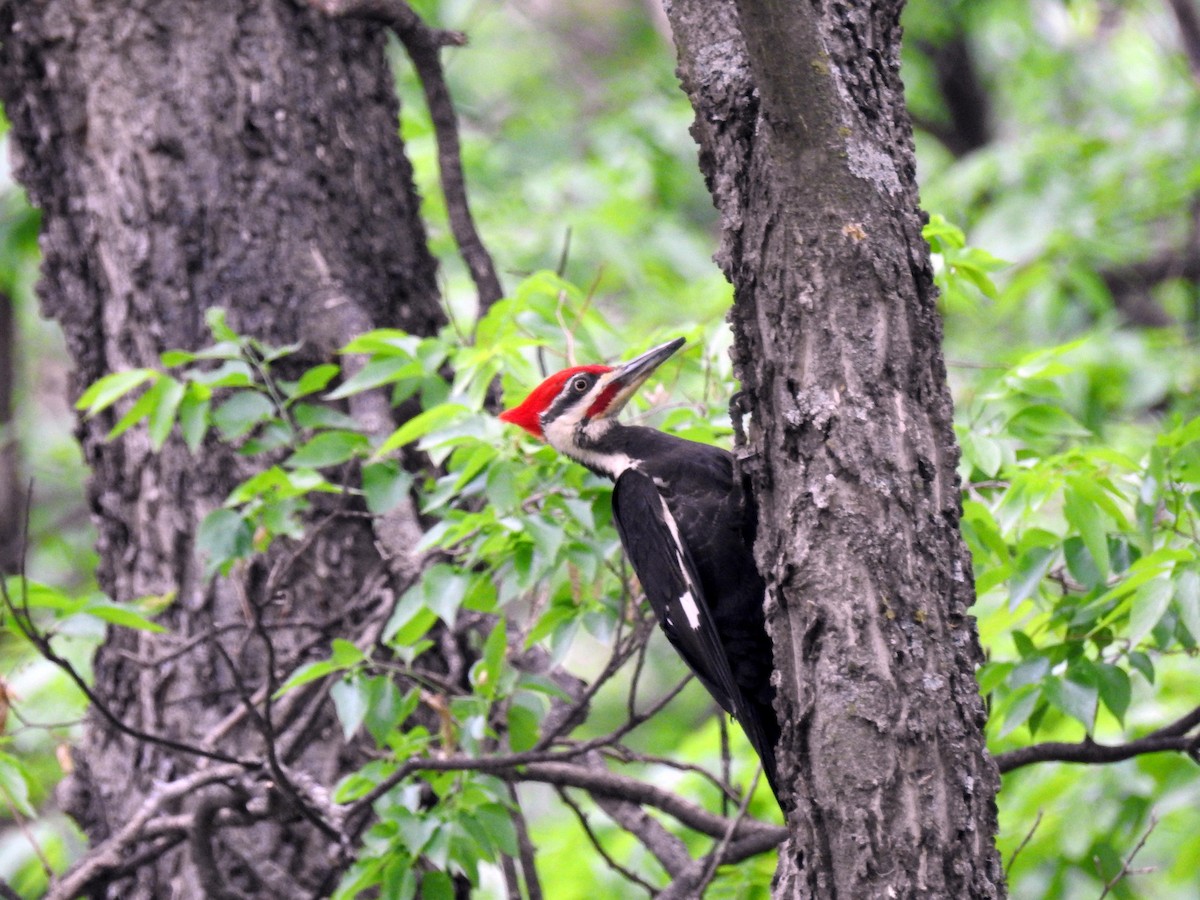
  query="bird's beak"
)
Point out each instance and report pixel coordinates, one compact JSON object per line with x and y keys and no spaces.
{"x":632,"y":375}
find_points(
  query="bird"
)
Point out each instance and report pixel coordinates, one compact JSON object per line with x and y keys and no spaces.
{"x":687,"y":528}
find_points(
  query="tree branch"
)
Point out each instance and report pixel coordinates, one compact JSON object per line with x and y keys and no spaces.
{"x":594,"y":840}
{"x":1189,"y":32}
{"x":112,"y":852}
{"x":423,"y":45}
{"x":1170,"y":738}
{"x":41,"y":642}
{"x":602,"y":783}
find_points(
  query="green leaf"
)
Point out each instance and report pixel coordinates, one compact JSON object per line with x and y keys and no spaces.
{"x":123,"y":616}
{"x":328,"y":449}
{"x":1075,"y":699}
{"x":498,"y":823}
{"x":1043,"y":419}
{"x":233,"y":373}
{"x":983,"y":452}
{"x":1150,"y":601}
{"x":111,"y":388}
{"x":172,"y":358}
{"x":523,"y":731}
{"x":386,"y":706}
{"x":384,"y":342}
{"x":351,"y":702}
{"x":193,"y":415}
{"x":14,"y":784}
{"x":1029,"y":571}
{"x":443,"y":589}
{"x":1019,"y":708}
{"x":1115,"y":689}
{"x":308,"y":672}
{"x":162,"y":417}
{"x":41,"y":596}
{"x":1142,"y":663}
{"x":345,"y":653}
{"x":399,"y":880}
{"x":141,"y":408}
{"x":214,"y":317}
{"x":374,"y":374}
{"x":386,"y":485}
{"x":223,"y":536}
{"x":436,"y":885}
{"x":311,"y":415}
{"x":1080,"y":564}
{"x":312,"y":381}
{"x":1085,"y":517}
{"x":487,"y":676}
{"x":421,"y":424}
{"x":1187,"y":598}
{"x":241,"y":412}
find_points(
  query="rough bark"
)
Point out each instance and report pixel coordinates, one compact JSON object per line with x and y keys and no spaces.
{"x":806,"y":146}
{"x":187,"y":155}
{"x":11,"y":500}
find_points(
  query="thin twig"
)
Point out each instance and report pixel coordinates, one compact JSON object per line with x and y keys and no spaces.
{"x":24,"y":622}
{"x":625,"y":873}
{"x":1028,"y":837}
{"x":713,"y":860}
{"x":25,"y":832}
{"x":1125,"y":870}
{"x":282,"y":779}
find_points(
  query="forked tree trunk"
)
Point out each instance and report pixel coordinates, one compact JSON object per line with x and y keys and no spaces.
{"x":807,"y":148}
{"x":232,"y":153}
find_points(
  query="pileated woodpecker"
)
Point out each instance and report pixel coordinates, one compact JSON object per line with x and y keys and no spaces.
{"x":686,"y":528}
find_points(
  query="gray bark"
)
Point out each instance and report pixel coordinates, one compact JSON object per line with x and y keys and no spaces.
{"x":12,"y":500}
{"x":187,"y":155}
{"x":806,"y":146}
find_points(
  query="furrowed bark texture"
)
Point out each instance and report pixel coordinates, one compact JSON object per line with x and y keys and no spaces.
{"x":806,"y":145}
{"x":186,"y":155}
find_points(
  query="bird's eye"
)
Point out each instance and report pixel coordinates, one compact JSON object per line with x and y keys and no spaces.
{"x":580,"y":385}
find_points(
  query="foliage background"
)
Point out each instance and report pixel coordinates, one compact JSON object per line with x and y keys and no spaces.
{"x":1073,"y":362}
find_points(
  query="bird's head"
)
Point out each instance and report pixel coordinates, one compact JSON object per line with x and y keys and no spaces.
{"x":572,"y":409}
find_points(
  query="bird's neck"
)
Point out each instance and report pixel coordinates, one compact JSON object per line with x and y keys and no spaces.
{"x":603,"y":445}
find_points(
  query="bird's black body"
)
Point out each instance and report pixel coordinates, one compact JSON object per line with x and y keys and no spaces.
{"x":729,"y":651}
{"x":686,"y":526}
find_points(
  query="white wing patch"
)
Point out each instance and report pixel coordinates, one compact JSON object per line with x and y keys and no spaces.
{"x":688,"y":599}
{"x":690,"y":609}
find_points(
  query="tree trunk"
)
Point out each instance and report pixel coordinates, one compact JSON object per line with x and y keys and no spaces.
{"x":12,"y":500}
{"x":187,"y":155}
{"x":806,"y":145}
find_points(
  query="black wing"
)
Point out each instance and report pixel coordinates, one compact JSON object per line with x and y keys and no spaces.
{"x":669,"y":577}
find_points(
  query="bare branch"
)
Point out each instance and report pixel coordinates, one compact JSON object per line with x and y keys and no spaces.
{"x":203,"y":835}
{"x":111,"y":853}
{"x":533,"y":886}
{"x":423,"y":44}
{"x":609,"y":784}
{"x":672,"y":854}
{"x":1028,"y":837}
{"x":625,"y":873}
{"x":1170,"y":738}
{"x":713,"y":860}
{"x":1125,"y":867}
{"x":41,"y":642}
